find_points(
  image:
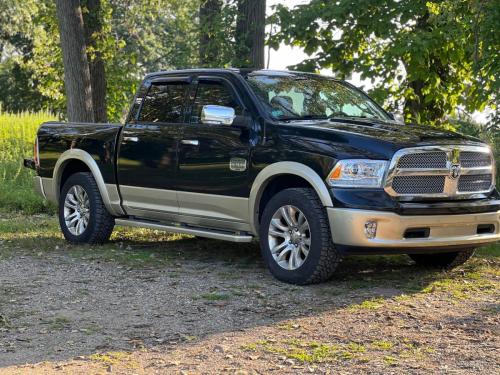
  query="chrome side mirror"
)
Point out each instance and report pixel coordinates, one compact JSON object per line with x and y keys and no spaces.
{"x":217,"y":115}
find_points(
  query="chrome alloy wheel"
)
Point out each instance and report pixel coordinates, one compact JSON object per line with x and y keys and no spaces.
{"x":76,"y":210}
{"x":289,"y":237}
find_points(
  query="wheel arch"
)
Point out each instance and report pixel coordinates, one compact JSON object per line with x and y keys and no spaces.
{"x":278,"y":170}
{"x":72,"y":157}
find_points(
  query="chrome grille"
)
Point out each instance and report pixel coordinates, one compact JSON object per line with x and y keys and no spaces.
{"x":470,"y":159}
{"x":435,"y":159}
{"x":471,"y":183}
{"x":440,"y":171}
{"x":417,"y":185}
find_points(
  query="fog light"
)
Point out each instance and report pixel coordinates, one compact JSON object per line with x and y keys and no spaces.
{"x":370,"y":229}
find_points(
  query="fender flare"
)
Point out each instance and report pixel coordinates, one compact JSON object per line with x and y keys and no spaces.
{"x":281,"y":168}
{"x":109,"y":193}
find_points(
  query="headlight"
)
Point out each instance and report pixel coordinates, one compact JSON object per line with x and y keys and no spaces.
{"x":358,"y":173}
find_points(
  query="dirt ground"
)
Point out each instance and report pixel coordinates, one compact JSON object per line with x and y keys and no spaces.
{"x":150,"y":302}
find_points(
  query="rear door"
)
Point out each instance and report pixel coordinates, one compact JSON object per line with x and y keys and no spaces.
{"x":212,"y":180}
{"x":147,"y":160}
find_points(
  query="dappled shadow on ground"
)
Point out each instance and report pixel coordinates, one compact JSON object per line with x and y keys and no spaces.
{"x":147,"y":288}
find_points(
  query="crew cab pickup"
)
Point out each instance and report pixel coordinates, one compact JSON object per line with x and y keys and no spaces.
{"x":307,"y":164}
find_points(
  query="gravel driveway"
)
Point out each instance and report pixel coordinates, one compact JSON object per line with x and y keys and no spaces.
{"x":163,"y":304}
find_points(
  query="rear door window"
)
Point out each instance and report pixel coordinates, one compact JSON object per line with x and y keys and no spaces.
{"x":164,"y":102}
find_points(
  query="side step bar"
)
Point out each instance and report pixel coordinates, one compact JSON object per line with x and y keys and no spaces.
{"x":201,"y":232}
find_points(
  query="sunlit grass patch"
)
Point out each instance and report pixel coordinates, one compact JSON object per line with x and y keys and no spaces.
{"x":17,"y":136}
{"x":118,"y":359}
{"x":371,"y":304}
{"x":311,"y":351}
{"x":315,"y":352}
{"x":382,"y":345}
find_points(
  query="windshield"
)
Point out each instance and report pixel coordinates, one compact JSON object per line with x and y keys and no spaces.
{"x":305,"y":96}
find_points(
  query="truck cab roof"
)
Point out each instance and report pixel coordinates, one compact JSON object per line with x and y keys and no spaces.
{"x":239,"y":71}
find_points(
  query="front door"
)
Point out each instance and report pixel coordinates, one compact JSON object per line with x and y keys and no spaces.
{"x":147,"y":161}
{"x":212,"y":179}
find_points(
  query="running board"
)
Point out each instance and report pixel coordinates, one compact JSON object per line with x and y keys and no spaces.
{"x":194,"y":231}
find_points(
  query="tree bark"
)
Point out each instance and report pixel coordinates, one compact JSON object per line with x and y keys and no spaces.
{"x":250,"y":33}
{"x":76,"y":67}
{"x":209,"y":49}
{"x":93,"y":28}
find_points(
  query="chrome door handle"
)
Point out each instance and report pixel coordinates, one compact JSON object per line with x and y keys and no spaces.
{"x":192,"y":142}
{"x":131,"y":139}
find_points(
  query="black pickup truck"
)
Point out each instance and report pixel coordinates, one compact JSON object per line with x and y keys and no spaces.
{"x":308,"y":164}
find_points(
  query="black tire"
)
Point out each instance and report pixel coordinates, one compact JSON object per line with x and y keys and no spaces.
{"x":445,"y":261}
{"x":322,"y":259}
{"x":100,"y":224}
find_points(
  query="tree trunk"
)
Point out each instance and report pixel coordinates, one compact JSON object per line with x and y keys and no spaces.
{"x":76,"y":67}
{"x":250,"y":33}
{"x":93,"y":28}
{"x":414,"y":107}
{"x":210,"y":10}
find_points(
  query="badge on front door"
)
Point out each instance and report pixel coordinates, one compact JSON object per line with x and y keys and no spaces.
{"x":238,"y":164}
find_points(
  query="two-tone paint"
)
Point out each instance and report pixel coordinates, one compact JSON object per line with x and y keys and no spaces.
{"x":152,"y":171}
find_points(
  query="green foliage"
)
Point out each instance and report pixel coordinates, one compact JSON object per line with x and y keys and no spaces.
{"x":17,"y":135}
{"x":489,"y":133}
{"x":18,"y":88}
{"x":426,"y":56}
{"x":222,"y":31}
{"x":137,"y":37}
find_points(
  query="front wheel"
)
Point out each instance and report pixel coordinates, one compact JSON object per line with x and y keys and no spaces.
{"x":295,"y":238}
{"x":445,"y":261}
{"x":82,"y":215}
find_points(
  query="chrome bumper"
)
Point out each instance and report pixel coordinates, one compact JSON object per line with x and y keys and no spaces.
{"x":348,"y":228}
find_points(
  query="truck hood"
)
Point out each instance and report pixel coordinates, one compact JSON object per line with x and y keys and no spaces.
{"x":372,"y":139}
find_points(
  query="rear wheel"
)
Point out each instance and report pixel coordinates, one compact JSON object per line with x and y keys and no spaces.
{"x":82,"y":215}
{"x":295,"y":238}
{"x":446,"y":261}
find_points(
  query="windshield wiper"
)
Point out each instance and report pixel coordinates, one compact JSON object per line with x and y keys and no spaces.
{"x":344,"y":115}
{"x":305,"y":117}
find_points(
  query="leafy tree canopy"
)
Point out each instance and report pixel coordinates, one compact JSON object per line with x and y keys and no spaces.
{"x":428,"y":57}
{"x":138,"y":36}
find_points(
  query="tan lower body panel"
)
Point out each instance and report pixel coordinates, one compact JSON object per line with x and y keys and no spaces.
{"x":210,"y":210}
{"x":221,"y":207}
{"x":137,"y":200}
{"x":348,"y":228}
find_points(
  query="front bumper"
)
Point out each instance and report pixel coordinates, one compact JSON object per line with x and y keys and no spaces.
{"x":348,"y":229}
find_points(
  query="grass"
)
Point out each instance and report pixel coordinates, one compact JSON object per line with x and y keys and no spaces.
{"x":308,"y":351}
{"x":40,"y":236}
{"x":371,"y":304}
{"x":316,"y":352}
{"x":60,"y":323}
{"x":115,"y":358}
{"x":17,"y":136}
